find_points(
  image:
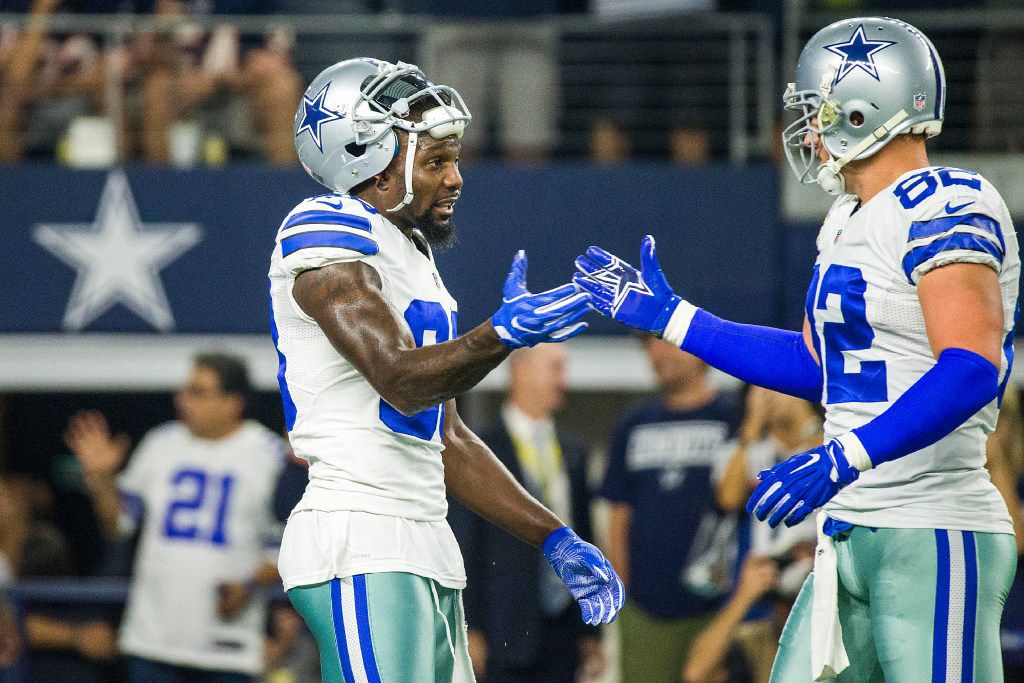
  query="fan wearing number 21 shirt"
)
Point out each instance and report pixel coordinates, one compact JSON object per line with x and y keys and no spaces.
{"x":199,"y":490}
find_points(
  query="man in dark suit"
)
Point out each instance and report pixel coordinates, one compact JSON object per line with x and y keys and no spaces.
{"x":523,"y":624}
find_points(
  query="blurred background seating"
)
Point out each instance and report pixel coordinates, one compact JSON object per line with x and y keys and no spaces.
{"x":594,"y":122}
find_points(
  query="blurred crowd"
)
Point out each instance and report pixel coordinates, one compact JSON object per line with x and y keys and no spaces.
{"x":194,"y":88}
{"x":709,"y":592}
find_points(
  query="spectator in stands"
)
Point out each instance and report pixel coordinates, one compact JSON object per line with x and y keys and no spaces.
{"x":508,"y":74}
{"x":205,"y":484}
{"x":22,"y":53}
{"x":730,"y":649}
{"x":608,"y":142}
{"x":1005,"y":451}
{"x":666,"y":538}
{"x":542,"y":638}
{"x":290,"y":651}
{"x":62,"y":642}
{"x":186,"y":68}
{"x":775,"y":426}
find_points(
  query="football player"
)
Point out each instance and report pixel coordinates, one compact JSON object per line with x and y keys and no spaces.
{"x":907,"y":342}
{"x":370,"y":364}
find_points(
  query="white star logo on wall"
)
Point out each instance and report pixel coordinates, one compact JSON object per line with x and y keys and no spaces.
{"x":118,"y":258}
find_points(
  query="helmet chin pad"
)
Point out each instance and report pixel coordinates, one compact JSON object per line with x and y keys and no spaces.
{"x":830,"y":179}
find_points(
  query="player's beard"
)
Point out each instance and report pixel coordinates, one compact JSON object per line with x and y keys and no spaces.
{"x":440,"y":235}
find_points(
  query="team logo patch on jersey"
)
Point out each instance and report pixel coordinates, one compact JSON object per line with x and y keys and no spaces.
{"x":839,"y":233}
{"x":858,"y":53}
{"x":919,"y":101}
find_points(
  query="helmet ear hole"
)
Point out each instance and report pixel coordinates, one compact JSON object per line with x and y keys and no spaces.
{"x":856,"y":119}
{"x":355,"y":150}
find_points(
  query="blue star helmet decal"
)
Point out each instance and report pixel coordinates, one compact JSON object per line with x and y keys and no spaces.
{"x":624,"y":278}
{"x":858,"y":53}
{"x":315,"y":115}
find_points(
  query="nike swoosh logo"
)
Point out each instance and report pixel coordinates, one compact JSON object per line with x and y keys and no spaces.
{"x":815,"y":457}
{"x":954,"y":209}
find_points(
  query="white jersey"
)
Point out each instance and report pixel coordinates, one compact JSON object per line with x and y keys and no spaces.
{"x":365,"y":458}
{"x":869,"y":331}
{"x":208,"y":520}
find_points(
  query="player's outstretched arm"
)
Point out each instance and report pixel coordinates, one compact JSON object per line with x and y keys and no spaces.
{"x":478,"y":480}
{"x":347,"y":302}
{"x":963,"y":315}
{"x":780,"y":360}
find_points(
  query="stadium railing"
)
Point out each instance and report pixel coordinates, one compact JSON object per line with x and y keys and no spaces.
{"x":709,"y":73}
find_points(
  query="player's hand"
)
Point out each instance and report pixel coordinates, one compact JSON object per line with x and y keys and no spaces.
{"x":638,"y":298}
{"x":95,"y":640}
{"x":801,"y":484}
{"x":477,"y":644}
{"x":232,"y":599}
{"x":526,"y":319}
{"x":758,"y":576}
{"x":88,"y":436}
{"x":589,"y":577}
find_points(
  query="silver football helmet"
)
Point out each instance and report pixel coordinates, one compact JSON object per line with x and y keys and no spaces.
{"x":345,"y":124}
{"x":859,"y":83}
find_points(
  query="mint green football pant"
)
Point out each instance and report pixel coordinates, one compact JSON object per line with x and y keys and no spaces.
{"x":391,"y":626}
{"x":916,"y":606}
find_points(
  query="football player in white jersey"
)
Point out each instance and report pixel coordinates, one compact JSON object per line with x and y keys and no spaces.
{"x":908,"y":341}
{"x":370,"y":364}
{"x":203,"y":486}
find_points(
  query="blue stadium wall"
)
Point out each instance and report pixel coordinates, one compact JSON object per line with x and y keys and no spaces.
{"x":718,"y":229}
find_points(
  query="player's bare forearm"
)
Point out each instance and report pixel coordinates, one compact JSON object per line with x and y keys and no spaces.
{"x":347,"y":303}
{"x":478,"y":480}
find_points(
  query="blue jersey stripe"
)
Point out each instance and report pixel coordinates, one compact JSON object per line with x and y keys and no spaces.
{"x":328,"y":238}
{"x":1008,"y":353}
{"x":339,"y":631}
{"x":919,"y":229}
{"x":327,"y":218}
{"x":941,"y":623}
{"x":970,"y":606}
{"x":363,"y":624}
{"x":282,"y":382}
{"x":958,"y":240}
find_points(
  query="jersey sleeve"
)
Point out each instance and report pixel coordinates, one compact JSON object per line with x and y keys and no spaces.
{"x":958,"y":223}
{"x":326,"y":230}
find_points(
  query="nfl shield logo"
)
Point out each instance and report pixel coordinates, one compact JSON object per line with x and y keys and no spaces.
{"x":919,"y":101}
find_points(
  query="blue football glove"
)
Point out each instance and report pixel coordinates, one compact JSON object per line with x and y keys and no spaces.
{"x":638,"y":298}
{"x":801,"y":484}
{"x":526,"y":319}
{"x":587,"y":574}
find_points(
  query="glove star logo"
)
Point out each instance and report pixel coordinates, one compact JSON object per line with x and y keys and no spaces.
{"x":625,"y":279}
{"x":118,"y":258}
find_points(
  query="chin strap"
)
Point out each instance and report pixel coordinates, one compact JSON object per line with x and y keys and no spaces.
{"x":830,"y":178}
{"x":409,"y":156}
